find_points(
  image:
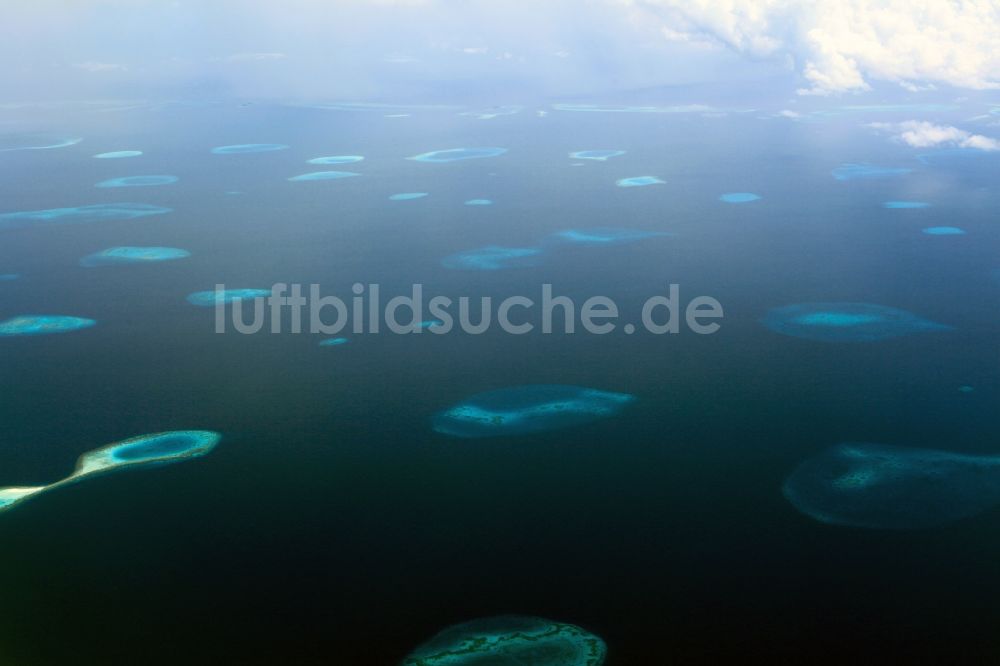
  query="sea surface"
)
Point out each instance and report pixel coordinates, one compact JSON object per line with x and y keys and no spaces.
{"x":334,"y":525}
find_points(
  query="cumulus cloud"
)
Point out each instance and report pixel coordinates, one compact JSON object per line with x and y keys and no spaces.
{"x":923,"y":134}
{"x":843,"y":45}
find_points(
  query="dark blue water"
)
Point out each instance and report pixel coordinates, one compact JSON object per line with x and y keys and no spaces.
{"x":332,"y":525}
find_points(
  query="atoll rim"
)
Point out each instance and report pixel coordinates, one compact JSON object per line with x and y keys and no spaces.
{"x":597,"y":155}
{"x":879,"y":486}
{"x":739,"y":197}
{"x":79,"y":215}
{"x":639,"y":181}
{"x":133,"y":255}
{"x":138,"y":181}
{"x":905,"y":205}
{"x":528,"y":409}
{"x":456,"y":154}
{"x":323,"y":175}
{"x":867,"y":171}
{"x":146,"y":450}
{"x":511,"y":641}
{"x":118,"y":154}
{"x":602,"y":236}
{"x":42,"y":325}
{"x":846,"y":322}
{"x":336,"y":159}
{"x":244,"y":148}
{"x":35,"y":141}
{"x":222,"y":297}
{"x":494,"y":258}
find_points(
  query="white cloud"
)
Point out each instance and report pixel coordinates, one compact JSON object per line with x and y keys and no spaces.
{"x":922,"y":134}
{"x":93,"y":66}
{"x":843,"y":45}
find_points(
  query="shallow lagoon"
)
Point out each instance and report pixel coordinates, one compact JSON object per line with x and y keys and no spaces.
{"x":846,"y":322}
{"x":42,"y":325}
{"x":523,"y":410}
{"x":133,"y":255}
{"x":458,"y":154}
{"x":893,"y":487}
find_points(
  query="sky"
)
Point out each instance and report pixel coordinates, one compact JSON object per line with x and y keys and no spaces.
{"x":496,"y":51}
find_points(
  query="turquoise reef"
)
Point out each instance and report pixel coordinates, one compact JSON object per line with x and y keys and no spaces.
{"x":639,"y":181}
{"x":865,"y":171}
{"x":846,"y":322}
{"x":944,"y":231}
{"x":11,"y":142}
{"x":511,"y":641}
{"x":118,"y":154}
{"x":42,"y":325}
{"x":336,"y":159}
{"x":523,"y":410}
{"x":739,"y":197}
{"x":599,"y":155}
{"x":905,"y":204}
{"x":146,"y":450}
{"x":602,"y":236}
{"x":407,"y":196}
{"x":138,"y":181}
{"x":893,"y":487}
{"x":455,"y":154}
{"x":494,"y":258}
{"x":323,"y":175}
{"x":242,"y":148}
{"x":78,"y":215}
{"x":333,"y":342}
{"x":209,"y":299}
{"x":133,"y":255}
{"x":478,"y":202}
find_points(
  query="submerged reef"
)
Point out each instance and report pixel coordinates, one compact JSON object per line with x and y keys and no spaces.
{"x":78,"y":215}
{"x":739,"y":197}
{"x":323,"y":175}
{"x":639,"y":181}
{"x":944,"y":231}
{"x":860,"y":171}
{"x":455,"y":154}
{"x":599,"y":155}
{"x":333,"y":342}
{"x":407,"y":196}
{"x":138,"y":181}
{"x":34,"y":141}
{"x":602,"y":236}
{"x":9,"y":277}
{"x":336,"y":159}
{"x":118,"y":154}
{"x":846,"y":322}
{"x":42,"y":325}
{"x":880,"y":486}
{"x":242,"y":148}
{"x":522,"y":410}
{"x":511,"y":641}
{"x":479,"y":202}
{"x":133,"y":255}
{"x":146,"y":450}
{"x":494,"y":258}
{"x":905,"y":204}
{"x":207,"y":299}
